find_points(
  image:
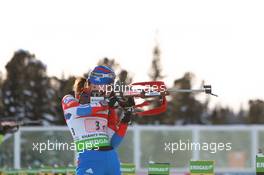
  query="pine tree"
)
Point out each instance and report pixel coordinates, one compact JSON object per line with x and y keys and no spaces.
{"x":156,"y":71}
{"x":155,"y":75}
{"x":61,"y":87}
{"x":256,"y":111}
{"x":108,"y":62}
{"x":26,"y":91}
{"x":184,"y":107}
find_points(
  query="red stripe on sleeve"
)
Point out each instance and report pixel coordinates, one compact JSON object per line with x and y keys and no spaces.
{"x":122,"y":129}
{"x":69,"y":101}
{"x":112,"y":120}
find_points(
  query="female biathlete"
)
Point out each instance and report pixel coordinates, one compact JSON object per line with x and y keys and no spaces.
{"x":93,"y":125}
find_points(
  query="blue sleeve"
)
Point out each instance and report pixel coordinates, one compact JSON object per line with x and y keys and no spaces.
{"x":116,"y":140}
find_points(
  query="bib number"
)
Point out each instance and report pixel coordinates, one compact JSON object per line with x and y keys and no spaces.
{"x":95,"y":125}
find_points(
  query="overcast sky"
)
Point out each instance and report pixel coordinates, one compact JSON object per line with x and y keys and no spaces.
{"x":222,"y":42}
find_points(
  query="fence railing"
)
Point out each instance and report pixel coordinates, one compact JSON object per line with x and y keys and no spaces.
{"x":176,"y":145}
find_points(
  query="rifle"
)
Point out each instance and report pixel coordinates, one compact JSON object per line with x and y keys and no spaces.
{"x":10,"y":121}
{"x":11,"y":125}
{"x":147,"y":90}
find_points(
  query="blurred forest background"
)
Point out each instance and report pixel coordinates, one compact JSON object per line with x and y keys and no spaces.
{"x":27,"y":92}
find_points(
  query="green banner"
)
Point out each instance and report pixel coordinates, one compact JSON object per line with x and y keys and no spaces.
{"x":92,"y":143}
{"x":32,"y":171}
{"x":128,"y":169}
{"x":159,"y":168}
{"x":70,"y":171}
{"x":23,"y":172}
{"x":259,"y":164}
{"x":202,"y":167}
{"x":46,"y":170}
{"x":60,"y":171}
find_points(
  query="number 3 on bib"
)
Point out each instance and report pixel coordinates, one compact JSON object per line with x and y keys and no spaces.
{"x":95,"y":124}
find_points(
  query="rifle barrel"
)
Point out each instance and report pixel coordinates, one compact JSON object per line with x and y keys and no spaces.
{"x":185,"y":90}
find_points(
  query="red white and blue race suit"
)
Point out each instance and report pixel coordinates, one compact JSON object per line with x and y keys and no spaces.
{"x":96,"y":133}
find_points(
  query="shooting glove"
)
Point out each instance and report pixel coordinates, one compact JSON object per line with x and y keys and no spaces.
{"x":113,"y":102}
{"x":128,"y":102}
{"x":125,"y":102}
{"x":128,"y":115}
